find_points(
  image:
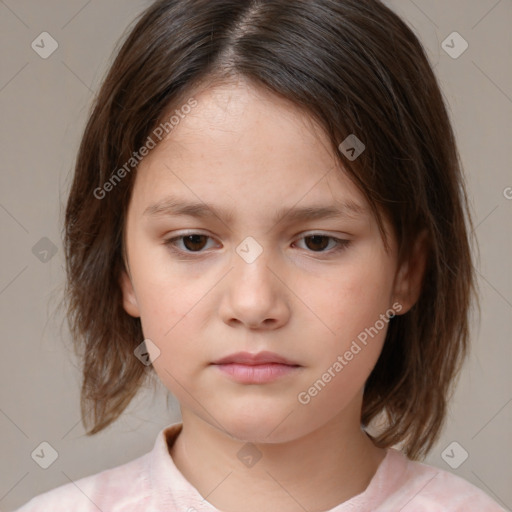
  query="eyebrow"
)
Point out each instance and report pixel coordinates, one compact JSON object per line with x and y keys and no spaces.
{"x":173,"y":206}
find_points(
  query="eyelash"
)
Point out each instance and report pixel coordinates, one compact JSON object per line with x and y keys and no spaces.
{"x":341,"y":244}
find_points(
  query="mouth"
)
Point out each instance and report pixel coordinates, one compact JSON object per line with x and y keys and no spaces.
{"x":261,"y":358}
{"x":260,"y":368}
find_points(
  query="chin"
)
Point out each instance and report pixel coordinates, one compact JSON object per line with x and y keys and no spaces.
{"x":262,"y":428}
{"x":249,"y":428}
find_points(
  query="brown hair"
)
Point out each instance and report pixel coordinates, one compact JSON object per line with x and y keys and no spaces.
{"x":356,"y":68}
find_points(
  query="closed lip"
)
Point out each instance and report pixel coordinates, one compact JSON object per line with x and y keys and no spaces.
{"x":255,"y":359}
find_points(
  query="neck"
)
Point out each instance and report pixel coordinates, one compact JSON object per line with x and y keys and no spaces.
{"x":314,"y":472}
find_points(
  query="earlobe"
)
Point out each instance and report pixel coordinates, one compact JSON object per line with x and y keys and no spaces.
{"x":409,"y":279}
{"x":129,"y":300}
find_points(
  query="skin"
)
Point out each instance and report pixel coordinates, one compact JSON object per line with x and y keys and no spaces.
{"x":252,"y":153}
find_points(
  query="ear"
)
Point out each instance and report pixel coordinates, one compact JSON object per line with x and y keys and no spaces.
{"x":409,"y":278}
{"x":129,"y":300}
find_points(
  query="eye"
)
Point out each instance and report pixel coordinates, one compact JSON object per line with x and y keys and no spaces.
{"x":195,"y":242}
{"x":318,"y":242}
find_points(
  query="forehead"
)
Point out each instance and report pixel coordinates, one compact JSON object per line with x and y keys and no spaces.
{"x":242,"y":147}
{"x":241,"y":120}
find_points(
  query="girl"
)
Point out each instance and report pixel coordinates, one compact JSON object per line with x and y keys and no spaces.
{"x":228,"y":140}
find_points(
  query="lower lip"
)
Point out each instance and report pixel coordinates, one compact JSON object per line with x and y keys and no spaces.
{"x":256,"y":374}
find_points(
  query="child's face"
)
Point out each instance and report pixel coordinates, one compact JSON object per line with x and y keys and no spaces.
{"x":250,"y":154}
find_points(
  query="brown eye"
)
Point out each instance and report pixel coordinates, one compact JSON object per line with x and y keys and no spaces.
{"x":317,"y":242}
{"x":194,"y":242}
{"x":191,"y":243}
{"x":320,"y":243}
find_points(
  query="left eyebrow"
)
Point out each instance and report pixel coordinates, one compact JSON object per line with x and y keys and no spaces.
{"x":173,"y":206}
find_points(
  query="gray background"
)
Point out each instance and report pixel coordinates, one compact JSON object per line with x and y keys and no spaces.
{"x":44,"y":105}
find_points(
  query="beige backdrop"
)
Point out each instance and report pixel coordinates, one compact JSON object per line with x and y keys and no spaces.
{"x":44,"y":103}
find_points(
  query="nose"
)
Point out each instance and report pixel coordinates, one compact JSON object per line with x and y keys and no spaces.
{"x":255,"y":294}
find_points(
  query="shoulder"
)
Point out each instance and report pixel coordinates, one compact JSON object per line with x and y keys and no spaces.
{"x":424,"y":488}
{"x":123,"y":487}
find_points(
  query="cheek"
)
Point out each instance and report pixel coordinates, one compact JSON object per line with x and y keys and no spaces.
{"x":353,"y":310}
{"x":168,"y":320}
{"x":350,"y":299}
{"x":340,"y":369}
{"x":165,"y":292}
{"x":171,"y":307}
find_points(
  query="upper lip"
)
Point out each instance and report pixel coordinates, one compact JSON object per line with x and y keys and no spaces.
{"x":255,"y":359}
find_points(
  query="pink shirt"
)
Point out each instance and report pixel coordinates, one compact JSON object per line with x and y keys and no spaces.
{"x":152,"y":483}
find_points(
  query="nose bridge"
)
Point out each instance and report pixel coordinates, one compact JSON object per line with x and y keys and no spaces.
{"x":254,"y":295}
{"x":252,"y":261}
